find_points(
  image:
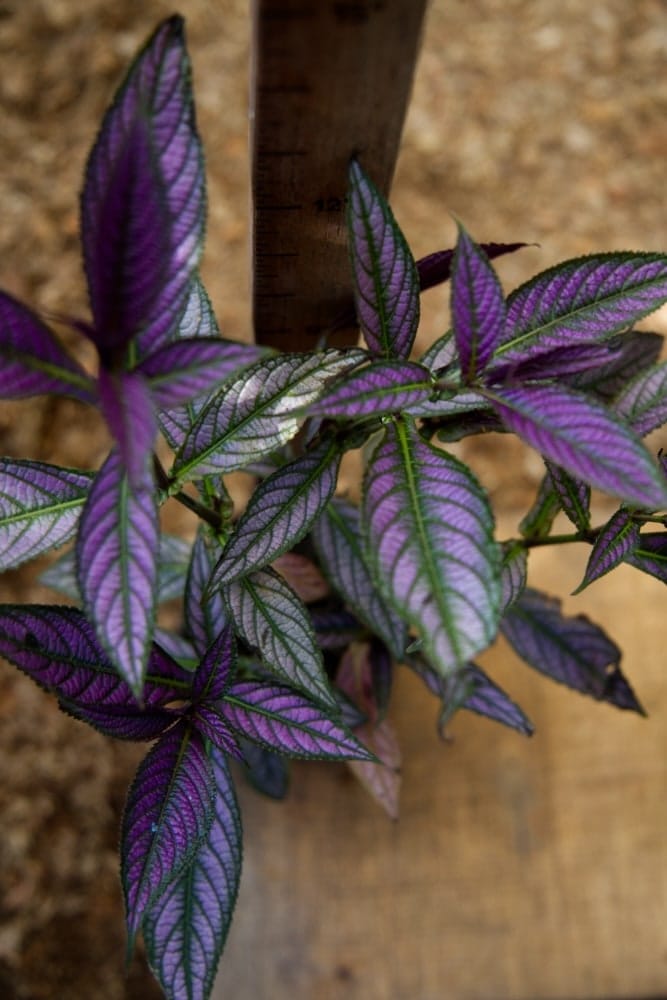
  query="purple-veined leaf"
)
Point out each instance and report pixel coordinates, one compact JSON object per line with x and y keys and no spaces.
{"x":334,"y":629}
{"x":618,"y":537}
{"x":271,"y":619}
{"x":186,"y":928}
{"x":513,"y":574}
{"x":216,"y":669}
{"x":585,"y":438}
{"x":449,"y":404}
{"x":339,"y":543}
{"x":281,"y":719}
{"x":197,"y":318}
{"x":574,"y":496}
{"x":143,"y":202}
{"x":210,"y":724}
{"x":381,"y":778}
{"x":567,"y":363}
{"x":303,"y":576}
{"x":58,"y":649}
{"x":280,"y":512}
{"x":179,"y":648}
{"x":638,"y":349}
{"x":570,"y":650}
{"x":127,"y":406}
{"x":478,"y":306}
{"x":258,"y":412}
{"x":580,"y":301}
{"x":386,"y":282}
{"x":539,"y":519}
{"x":33,"y":362}
{"x":441,"y":354}
{"x":173,"y":561}
{"x":167,"y":816}
{"x":650,"y":554}
{"x":204,"y":617}
{"x":436,"y":267}
{"x":266,"y":771}
{"x":429,"y":532}
{"x":39,"y":508}
{"x":643,"y":403}
{"x":184,"y":369}
{"x":117,"y":553}
{"x":381,"y":387}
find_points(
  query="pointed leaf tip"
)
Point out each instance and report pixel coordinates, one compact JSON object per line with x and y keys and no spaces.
{"x":478,"y":306}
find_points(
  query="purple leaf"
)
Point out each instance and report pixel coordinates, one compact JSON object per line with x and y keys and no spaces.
{"x":386,"y":283}
{"x":441,"y":354}
{"x":436,"y":267}
{"x":638,"y":350}
{"x":574,"y":364}
{"x":271,"y":619}
{"x":216,"y":669}
{"x":303,"y":576}
{"x":33,"y":362}
{"x":643,"y":402}
{"x":572,"y":651}
{"x":585,"y":438}
{"x":478,"y":306}
{"x":339,"y":543}
{"x":127,"y":406}
{"x":197,"y":318}
{"x":173,"y":563}
{"x":513,"y":574}
{"x":429,"y":532}
{"x":169,"y":811}
{"x":61,"y":576}
{"x":618,"y":537}
{"x":210,"y":724}
{"x":266,"y":771}
{"x":448,"y":404}
{"x":176,"y":646}
{"x":650,"y":554}
{"x":280,"y":512}
{"x":581,"y":301}
{"x":143,"y":202}
{"x":258,"y":412}
{"x":335,"y":629}
{"x":204,"y":618}
{"x":574,"y":496}
{"x":39,"y":508}
{"x":381,"y":387}
{"x":58,"y":649}
{"x":117,"y":552}
{"x":185,"y":930}
{"x":281,"y":719}
{"x":184,"y":369}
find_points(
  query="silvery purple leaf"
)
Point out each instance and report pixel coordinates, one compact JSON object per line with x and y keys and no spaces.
{"x":210,"y":724}
{"x":266,"y":771}
{"x":539,"y":519}
{"x":258,"y":412}
{"x":280,"y":512}
{"x":271,"y":619}
{"x":381,"y":387}
{"x":618,"y":537}
{"x":570,"y":650}
{"x":477,"y":305}
{"x":336,"y":628}
{"x":204,"y":617}
{"x":441,"y":354}
{"x":117,"y":552}
{"x":61,"y":576}
{"x":184,"y":369}
{"x":32,"y":360}
{"x":643,"y":402}
{"x":386,"y":282}
{"x":176,"y":646}
{"x":513,"y":574}
{"x":574,"y":496}
{"x":197,"y":318}
{"x":436,"y":267}
{"x":39,"y":508}
{"x":173,"y":563}
{"x":449,"y":404}
{"x":580,"y":301}
{"x":143,"y":202}
{"x":281,"y":719}
{"x":58,"y":649}
{"x":585,"y":438}
{"x":127,"y":406}
{"x":650,"y":554}
{"x":637,"y":350}
{"x":186,"y":928}
{"x":429,"y":534}
{"x":216,"y":670}
{"x":167,"y":817}
{"x":339,"y":543}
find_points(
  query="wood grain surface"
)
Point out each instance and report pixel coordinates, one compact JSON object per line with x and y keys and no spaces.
{"x":519,"y":869}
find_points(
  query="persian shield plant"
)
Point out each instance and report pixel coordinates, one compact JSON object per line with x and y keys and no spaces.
{"x":298,"y":610}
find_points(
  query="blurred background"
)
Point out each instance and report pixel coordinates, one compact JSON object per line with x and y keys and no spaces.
{"x":519,"y":869}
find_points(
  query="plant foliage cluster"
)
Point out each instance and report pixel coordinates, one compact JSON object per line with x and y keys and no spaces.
{"x":297,"y":611}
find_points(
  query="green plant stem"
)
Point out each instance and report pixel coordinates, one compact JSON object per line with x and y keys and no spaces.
{"x":203,"y":512}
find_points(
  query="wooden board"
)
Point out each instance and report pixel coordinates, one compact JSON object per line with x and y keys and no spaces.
{"x":519,"y":870}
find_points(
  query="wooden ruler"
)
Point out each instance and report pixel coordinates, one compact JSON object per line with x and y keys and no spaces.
{"x":331,"y":79}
